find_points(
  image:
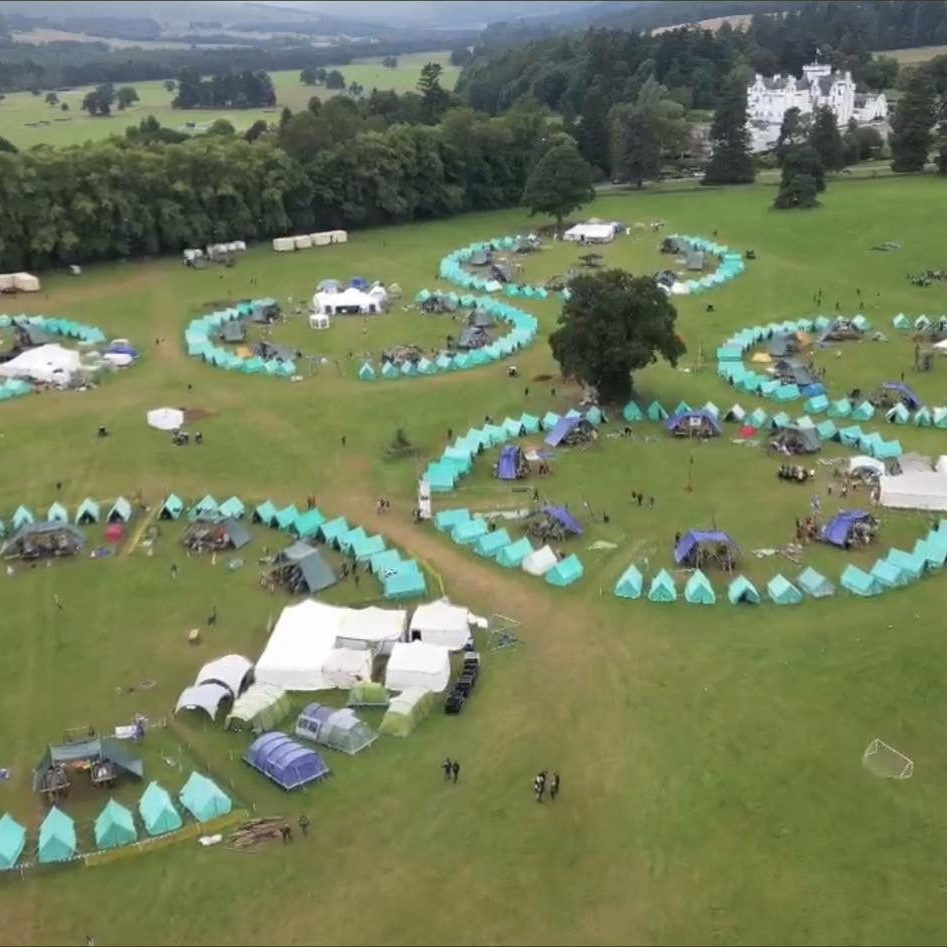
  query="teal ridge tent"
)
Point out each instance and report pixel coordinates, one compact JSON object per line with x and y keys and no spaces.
{"x":914,"y":566}
{"x":12,"y":842}
{"x":656,"y":412}
{"x":265,"y":513}
{"x":286,"y":517}
{"x":307,"y":524}
{"x":859,"y":582}
{"x":407,"y":582}
{"x":512,"y":556}
{"x":204,"y":509}
{"x":57,"y":838}
{"x":232,"y":509}
{"x":121,"y":511}
{"x":114,"y":826}
{"x":22,"y":516}
{"x":741,"y":591}
{"x":470,"y":531}
{"x":565,"y":572}
{"x":698,"y":590}
{"x":57,"y":513}
{"x":366,"y":372}
{"x":446,"y":520}
{"x":203,"y":798}
{"x":662,"y":588}
{"x":631,"y":412}
{"x":333,"y":531}
{"x":782,"y":592}
{"x":815,"y":584}
{"x":629,"y":583}
{"x":889,"y":575}
{"x":489,"y":545}
{"x":157,"y":811}
{"x":172,"y":508}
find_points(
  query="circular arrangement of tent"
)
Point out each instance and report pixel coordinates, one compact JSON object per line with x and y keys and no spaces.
{"x":166,"y":419}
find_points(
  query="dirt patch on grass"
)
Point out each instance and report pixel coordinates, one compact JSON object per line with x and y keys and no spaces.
{"x":198,"y":414}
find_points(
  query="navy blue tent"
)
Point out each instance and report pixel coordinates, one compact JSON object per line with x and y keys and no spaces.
{"x":690,"y":419}
{"x":564,"y":518}
{"x":287,"y":763}
{"x":908,"y":398}
{"x":836,"y":531}
{"x":689,"y":544}
{"x":507,"y":468}
{"x":563,"y":426}
{"x":356,"y":282}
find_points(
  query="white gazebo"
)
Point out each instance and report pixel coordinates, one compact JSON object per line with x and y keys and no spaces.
{"x":351,"y":301}
{"x":319,"y":320}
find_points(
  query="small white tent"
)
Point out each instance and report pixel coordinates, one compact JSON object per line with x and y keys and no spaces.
{"x":319,"y":320}
{"x":442,"y":624}
{"x":590,"y":233}
{"x":51,"y":364}
{"x":374,"y":628}
{"x":349,"y":301}
{"x":416,"y":664}
{"x":166,"y":419}
{"x":540,"y":561}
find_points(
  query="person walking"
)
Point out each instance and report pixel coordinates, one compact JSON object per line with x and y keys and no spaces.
{"x":212,"y":617}
{"x":174,"y":570}
{"x":554,"y":787}
{"x":448,"y":767}
{"x":539,"y":785}
{"x":57,"y":601}
{"x":455,"y":769}
{"x":286,"y":832}
{"x":304,"y":824}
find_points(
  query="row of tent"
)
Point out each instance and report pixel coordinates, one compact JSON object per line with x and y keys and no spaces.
{"x":115,"y":825}
{"x":473,"y":531}
{"x":895,"y":570}
{"x":400,"y":578}
{"x":871,"y":443}
{"x":735,"y":347}
{"x":89,"y":511}
{"x":200,"y":334}
{"x":522,"y":333}
{"x":904,"y":324}
{"x":731,"y":265}
{"x":451,"y":269}
{"x":51,"y":325}
{"x":457,"y":459}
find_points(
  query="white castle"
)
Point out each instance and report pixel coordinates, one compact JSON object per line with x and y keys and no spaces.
{"x":768,"y":100}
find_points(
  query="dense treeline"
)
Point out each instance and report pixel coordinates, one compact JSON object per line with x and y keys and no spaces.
{"x":251,"y":88}
{"x":143,"y":195}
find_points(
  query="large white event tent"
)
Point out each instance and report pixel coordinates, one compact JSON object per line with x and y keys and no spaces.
{"x":416,"y":664}
{"x":442,"y":624}
{"x":50,"y":364}
{"x":915,"y":490}
{"x":350,"y":301}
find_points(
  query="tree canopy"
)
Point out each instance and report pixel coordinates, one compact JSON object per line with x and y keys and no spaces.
{"x":560,"y":182}
{"x":612,"y":325}
{"x":730,"y":162}
{"x":826,"y":139}
{"x":803,"y":178}
{"x":911,"y":135}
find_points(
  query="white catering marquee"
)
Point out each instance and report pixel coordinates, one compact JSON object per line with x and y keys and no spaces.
{"x":442,"y":624}
{"x":915,"y":491}
{"x":591,"y":233}
{"x":416,"y":664}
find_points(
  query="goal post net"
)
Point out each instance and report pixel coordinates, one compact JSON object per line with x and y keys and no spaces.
{"x":885,"y":761}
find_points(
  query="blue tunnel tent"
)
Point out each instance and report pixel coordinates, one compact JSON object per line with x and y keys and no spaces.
{"x":284,"y":761}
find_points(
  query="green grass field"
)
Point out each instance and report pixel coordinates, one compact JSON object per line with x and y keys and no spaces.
{"x":26,"y":120}
{"x":911,"y":57}
{"x":713,"y":790}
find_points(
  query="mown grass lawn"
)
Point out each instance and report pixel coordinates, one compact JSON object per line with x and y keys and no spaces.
{"x":26,"y":119}
{"x":712,"y":784}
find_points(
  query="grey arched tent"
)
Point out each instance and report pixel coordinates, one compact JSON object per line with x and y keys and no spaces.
{"x":207,"y":697}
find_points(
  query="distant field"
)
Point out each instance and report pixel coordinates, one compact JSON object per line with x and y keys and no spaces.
{"x":38,"y":36}
{"x":737,"y":21}
{"x":908,"y":57}
{"x":26,"y":120}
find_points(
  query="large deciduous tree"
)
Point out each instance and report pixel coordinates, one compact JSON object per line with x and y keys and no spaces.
{"x":802,"y":180}
{"x":612,"y":325}
{"x":911,"y":127}
{"x":126,"y":95}
{"x":560,"y":182}
{"x":730,"y":162}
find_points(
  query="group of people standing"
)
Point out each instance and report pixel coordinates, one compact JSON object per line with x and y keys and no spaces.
{"x":542,"y":780}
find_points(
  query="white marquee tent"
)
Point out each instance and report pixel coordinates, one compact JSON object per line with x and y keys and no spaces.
{"x":51,"y":364}
{"x":442,"y":624}
{"x":370,"y":628}
{"x":350,"y":301}
{"x":915,"y":491}
{"x":590,"y":233}
{"x":166,"y":419}
{"x":297,"y":649}
{"x":416,"y":664}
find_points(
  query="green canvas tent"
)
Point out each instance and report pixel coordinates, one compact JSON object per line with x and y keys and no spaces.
{"x":232,"y":509}
{"x":57,"y":838}
{"x":512,"y":556}
{"x":662,"y":588}
{"x":859,"y":582}
{"x":157,"y":811}
{"x":172,"y":508}
{"x":565,"y":572}
{"x":698,"y":590}
{"x":367,"y":694}
{"x":629,"y":583}
{"x":814,"y":584}
{"x":57,"y":513}
{"x":631,"y":412}
{"x":260,"y":707}
{"x":204,"y":799}
{"x":88,"y":512}
{"x":114,"y":826}
{"x":741,"y":591}
{"x":12,"y":842}
{"x":121,"y":511}
{"x":406,"y":711}
{"x":265,"y":513}
{"x":656,"y":412}
{"x":782,"y":592}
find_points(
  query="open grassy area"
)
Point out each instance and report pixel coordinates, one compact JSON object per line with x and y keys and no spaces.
{"x":26,"y":120}
{"x":713,"y":790}
{"x":911,"y":57}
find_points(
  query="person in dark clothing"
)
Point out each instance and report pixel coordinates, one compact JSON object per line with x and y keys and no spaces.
{"x":343,"y":440}
{"x":539,"y":785}
{"x":677,"y":540}
{"x":651,"y":503}
{"x":286,"y":832}
{"x":212,"y":618}
{"x":174,"y":570}
{"x":455,"y":769}
{"x":304,"y":824}
{"x":640,"y":499}
{"x":554,"y":787}
{"x":448,"y":767}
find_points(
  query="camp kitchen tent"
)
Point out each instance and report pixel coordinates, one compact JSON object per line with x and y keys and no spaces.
{"x":157,"y":811}
{"x":166,"y":419}
{"x":364,"y":628}
{"x":836,"y":531}
{"x":207,"y":697}
{"x":49,"y":364}
{"x":261,"y":706}
{"x":441,"y":623}
{"x":203,"y":798}
{"x":297,"y":649}
{"x":418,"y":664}
{"x":914,"y":491}
{"x":287,"y":763}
